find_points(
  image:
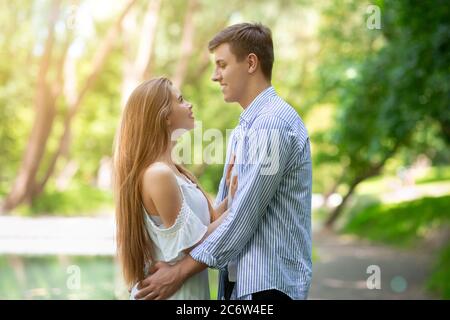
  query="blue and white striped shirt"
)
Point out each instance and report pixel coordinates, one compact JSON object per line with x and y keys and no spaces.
{"x":268,"y":229}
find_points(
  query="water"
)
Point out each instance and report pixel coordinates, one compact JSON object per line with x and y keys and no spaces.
{"x":62,"y":277}
{"x":62,"y":258}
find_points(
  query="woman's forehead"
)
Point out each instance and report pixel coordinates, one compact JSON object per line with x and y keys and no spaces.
{"x":176,"y":91}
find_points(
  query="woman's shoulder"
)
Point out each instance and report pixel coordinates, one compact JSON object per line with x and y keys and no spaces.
{"x":159,"y":167}
{"x":159,"y":173}
{"x":159,"y":184}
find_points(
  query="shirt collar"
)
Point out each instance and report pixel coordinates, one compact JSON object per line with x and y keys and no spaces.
{"x":253,"y":109}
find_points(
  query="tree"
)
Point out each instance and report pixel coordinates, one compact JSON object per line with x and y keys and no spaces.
{"x":48,"y":90}
{"x":137,"y":63}
{"x":397,"y":89}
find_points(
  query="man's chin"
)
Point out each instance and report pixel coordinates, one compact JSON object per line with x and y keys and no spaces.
{"x":227,"y":99}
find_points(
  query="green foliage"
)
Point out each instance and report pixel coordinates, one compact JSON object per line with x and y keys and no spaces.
{"x":327,"y":66}
{"x":77,"y":200}
{"x":95,"y":126}
{"x":15,"y":94}
{"x":403,"y":223}
{"x":440,"y":278}
{"x":213,"y":283}
{"x":394,"y":91}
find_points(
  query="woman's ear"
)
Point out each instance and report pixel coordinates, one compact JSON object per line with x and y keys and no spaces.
{"x":253,"y":61}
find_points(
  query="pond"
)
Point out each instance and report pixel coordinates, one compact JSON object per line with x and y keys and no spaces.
{"x":66,"y":277}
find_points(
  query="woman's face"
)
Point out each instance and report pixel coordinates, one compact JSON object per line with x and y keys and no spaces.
{"x":181,"y":116}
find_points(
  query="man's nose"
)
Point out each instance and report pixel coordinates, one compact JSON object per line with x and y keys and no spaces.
{"x":215,"y":76}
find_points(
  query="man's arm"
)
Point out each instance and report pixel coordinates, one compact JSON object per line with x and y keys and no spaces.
{"x":167,"y":279}
{"x":266,"y":151}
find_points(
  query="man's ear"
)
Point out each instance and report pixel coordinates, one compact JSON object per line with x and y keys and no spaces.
{"x":253,"y":62}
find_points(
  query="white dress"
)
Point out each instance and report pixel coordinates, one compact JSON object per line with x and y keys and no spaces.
{"x":189,"y":228}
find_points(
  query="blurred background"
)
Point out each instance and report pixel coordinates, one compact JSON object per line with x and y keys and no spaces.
{"x":370,"y":79}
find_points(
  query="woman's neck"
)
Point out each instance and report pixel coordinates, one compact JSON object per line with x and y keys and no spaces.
{"x":166,"y":157}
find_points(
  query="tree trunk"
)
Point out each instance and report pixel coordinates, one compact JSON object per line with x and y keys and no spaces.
{"x":372,"y":171}
{"x":57,"y":89}
{"x":74,"y":104}
{"x":100,"y":57}
{"x":186,"y":44}
{"x":135,"y":67}
{"x":44,"y":104}
{"x":337,"y":211}
{"x":333,"y":189}
{"x":25,"y":186}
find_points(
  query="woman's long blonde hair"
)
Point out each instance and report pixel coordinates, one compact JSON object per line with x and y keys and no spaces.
{"x":142,"y":138}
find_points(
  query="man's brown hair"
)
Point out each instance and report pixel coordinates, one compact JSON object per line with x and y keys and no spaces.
{"x":246,"y":38}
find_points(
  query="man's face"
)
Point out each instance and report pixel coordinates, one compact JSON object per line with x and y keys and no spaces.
{"x":231,"y":74}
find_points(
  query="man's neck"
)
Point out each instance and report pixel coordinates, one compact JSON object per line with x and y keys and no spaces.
{"x":253,"y":91}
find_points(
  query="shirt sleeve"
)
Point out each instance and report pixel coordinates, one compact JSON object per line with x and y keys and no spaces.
{"x":264,"y":154}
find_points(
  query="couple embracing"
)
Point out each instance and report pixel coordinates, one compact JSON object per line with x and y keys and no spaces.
{"x":258,"y":230}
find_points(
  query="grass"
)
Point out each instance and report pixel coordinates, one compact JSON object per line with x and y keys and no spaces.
{"x":401,"y":223}
{"x":439,"y":281}
{"x":373,"y":185}
{"x":404,"y":224}
{"x":435,"y":174}
{"x":213,"y":283}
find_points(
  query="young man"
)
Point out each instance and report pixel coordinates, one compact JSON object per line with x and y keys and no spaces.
{"x":263,"y":248}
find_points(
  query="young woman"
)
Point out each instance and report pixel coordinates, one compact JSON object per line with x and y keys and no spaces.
{"x":161,"y":211}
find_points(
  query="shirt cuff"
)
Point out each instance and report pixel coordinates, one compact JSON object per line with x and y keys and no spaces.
{"x":204,"y":257}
